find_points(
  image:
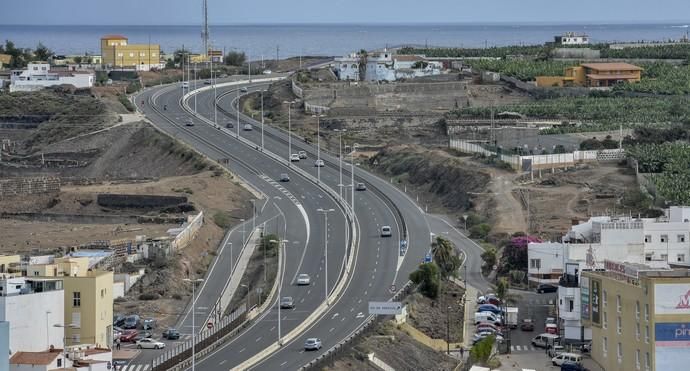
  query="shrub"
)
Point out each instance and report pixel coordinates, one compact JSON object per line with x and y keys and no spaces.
{"x":222,"y":219}
{"x":149,"y":296}
{"x":480,"y":231}
{"x":427,"y":277}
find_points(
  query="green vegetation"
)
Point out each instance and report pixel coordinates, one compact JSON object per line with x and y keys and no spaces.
{"x":481,"y":352}
{"x":445,"y":256}
{"x":661,"y":78}
{"x":428,"y":278}
{"x":670,"y":165}
{"x":493,"y":52}
{"x":22,"y":56}
{"x":125,"y":102}
{"x":480,"y":231}
{"x":222,"y":219}
{"x":235,"y":58}
{"x":490,"y":257}
{"x":522,"y":69}
{"x":676,"y":51}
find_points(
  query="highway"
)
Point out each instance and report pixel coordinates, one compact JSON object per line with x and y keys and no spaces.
{"x":377,"y":264}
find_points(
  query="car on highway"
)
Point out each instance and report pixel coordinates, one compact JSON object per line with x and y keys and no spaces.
{"x":527,"y":324}
{"x":545,"y":287}
{"x":189,"y":123}
{"x":229,"y":125}
{"x":284,"y":177}
{"x":312,"y":344}
{"x":386,"y":231}
{"x":318,"y":163}
{"x":131,"y":322}
{"x":129,"y":336}
{"x":171,"y":334}
{"x":185,"y":85}
{"x":120,"y":362}
{"x":544,"y":340}
{"x":361,"y":187}
{"x":207,"y":82}
{"x":267,"y":72}
{"x":247,"y":127}
{"x":294,"y":157}
{"x":244,"y":89}
{"x":287,"y":302}
{"x":302,"y":154}
{"x":303,"y":279}
{"x":150,"y":344}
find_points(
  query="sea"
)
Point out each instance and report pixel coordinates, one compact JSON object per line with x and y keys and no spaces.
{"x":290,"y":40}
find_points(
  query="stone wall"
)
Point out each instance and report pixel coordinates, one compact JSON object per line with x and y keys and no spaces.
{"x":27,"y":186}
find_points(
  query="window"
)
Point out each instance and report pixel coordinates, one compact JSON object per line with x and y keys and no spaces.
{"x":131,"y":55}
{"x":619,"y":352}
{"x":637,"y":359}
{"x":646,"y":361}
{"x":647,"y":238}
{"x":142,"y":54}
{"x":605,"y":298}
{"x":76,"y":339}
{"x":618,"y":303}
{"x":120,"y":54}
{"x":646,"y":334}
{"x":681,"y":238}
{"x":102,"y":293}
{"x":605,"y":320}
{"x":619,"y":327}
{"x":664,"y":238}
{"x":59,"y":362}
{"x":646,"y":312}
{"x":605,"y":346}
{"x":664,"y":257}
{"x":535,"y":263}
{"x":648,"y":257}
{"x":76,"y":299}
{"x":637,"y":310}
{"x":681,"y":257}
{"x":637,"y":332}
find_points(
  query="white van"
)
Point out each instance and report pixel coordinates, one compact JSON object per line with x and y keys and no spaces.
{"x":563,"y":357}
{"x":486,"y":317}
{"x":545,"y":340}
{"x":185,"y":85}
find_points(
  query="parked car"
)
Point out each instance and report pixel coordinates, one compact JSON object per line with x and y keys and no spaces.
{"x":492,"y":330}
{"x":319,"y":163}
{"x":312,"y":344}
{"x":551,"y":328}
{"x":550,"y":320}
{"x":247,"y":127}
{"x":129,"y":336}
{"x":303,"y":279}
{"x":479,"y":336}
{"x":486,"y":324}
{"x":527,"y":324}
{"x":386,"y":231}
{"x":287,"y":302}
{"x":586,"y":347}
{"x":555,"y":350}
{"x":150,"y":344}
{"x":229,"y":125}
{"x":544,"y":340}
{"x":284,"y":177}
{"x":118,"y":320}
{"x":361,"y":187}
{"x":489,"y":308}
{"x":545,"y":287}
{"x":171,"y":334}
{"x":120,"y":362}
{"x":131,"y":322}
{"x":572,"y":366}
{"x":149,"y":324}
{"x":488,"y":299}
{"x":571,"y":357}
{"x":294,"y":157}
{"x":302,"y":155}
{"x":142,"y":335}
{"x":488,"y":317}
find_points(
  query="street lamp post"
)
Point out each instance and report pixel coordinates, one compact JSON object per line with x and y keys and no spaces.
{"x":465,"y":216}
{"x":280,"y":291}
{"x":325,"y":259}
{"x":238,"y":113}
{"x":262,"y":120}
{"x":352,"y":176}
{"x":243,"y":235}
{"x":193,"y":282}
{"x":64,"y":340}
{"x":340,"y":158}
{"x":318,"y":147}
{"x":249,"y":294}
{"x":448,"y":330}
{"x":289,"y":161}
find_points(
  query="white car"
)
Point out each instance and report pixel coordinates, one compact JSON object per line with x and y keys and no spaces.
{"x":294,"y":157}
{"x":303,"y":279}
{"x":247,"y":127}
{"x":318,"y":163}
{"x":386,"y":231}
{"x":302,"y":154}
{"x":150,"y":344}
{"x":312,"y":344}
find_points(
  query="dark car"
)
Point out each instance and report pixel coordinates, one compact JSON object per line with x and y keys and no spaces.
{"x":489,"y":308}
{"x":287,"y":303}
{"x":361,"y":187}
{"x":527,"y":325}
{"x":118,"y":320}
{"x":572,"y":366}
{"x":545,"y":287}
{"x":131,"y":322}
{"x":229,"y":125}
{"x":171,"y":334}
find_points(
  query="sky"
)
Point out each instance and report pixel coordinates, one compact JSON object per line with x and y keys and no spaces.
{"x":182,"y":12}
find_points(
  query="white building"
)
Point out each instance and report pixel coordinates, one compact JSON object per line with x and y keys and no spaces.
{"x":385,"y":66}
{"x":38,"y":76}
{"x":347,"y":67}
{"x":571,"y":38}
{"x":32,"y":307}
{"x":380,"y":67}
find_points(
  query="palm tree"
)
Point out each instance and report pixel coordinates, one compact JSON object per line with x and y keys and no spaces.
{"x":445,"y":256}
{"x":363,"y":59}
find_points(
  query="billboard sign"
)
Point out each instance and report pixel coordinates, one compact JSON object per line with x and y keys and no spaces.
{"x":672,"y":298}
{"x":385,"y":307}
{"x":584,"y":298}
{"x":672,"y":342}
{"x":595,"y":297}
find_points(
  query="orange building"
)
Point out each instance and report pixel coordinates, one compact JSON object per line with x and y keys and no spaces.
{"x":594,"y":75}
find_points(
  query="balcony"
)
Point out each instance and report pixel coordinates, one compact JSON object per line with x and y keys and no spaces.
{"x":569,"y":280}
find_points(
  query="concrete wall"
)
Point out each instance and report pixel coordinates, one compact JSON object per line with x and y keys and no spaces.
{"x":31,"y":327}
{"x":4,"y":346}
{"x":187,"y":235}
{"x":24,"y":186}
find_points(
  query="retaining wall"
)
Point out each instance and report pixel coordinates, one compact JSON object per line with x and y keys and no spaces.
{"x":27,"y":186}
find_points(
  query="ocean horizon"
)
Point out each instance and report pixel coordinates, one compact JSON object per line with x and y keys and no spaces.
{"x":331,"y":39}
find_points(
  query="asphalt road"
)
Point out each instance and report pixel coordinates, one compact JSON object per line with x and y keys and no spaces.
{"x":377,"y":259}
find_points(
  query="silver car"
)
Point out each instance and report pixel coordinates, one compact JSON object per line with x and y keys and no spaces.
{"x":303,"y":279}
{"x":287,"y":302}
{"x":312,"y":344}
{"x":150,"y":344}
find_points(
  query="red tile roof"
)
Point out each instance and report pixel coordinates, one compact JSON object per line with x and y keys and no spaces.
{"x":33,"y":358}
{"x":612,"y":66}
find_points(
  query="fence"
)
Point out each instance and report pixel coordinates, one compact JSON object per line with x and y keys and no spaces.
{"x":189,"y":232}
{"x":27,"y":186}
{"x":541,"y":162}
{"x":227,"y":327}
{"x":313,"y":108}
{"x":297,"y":90}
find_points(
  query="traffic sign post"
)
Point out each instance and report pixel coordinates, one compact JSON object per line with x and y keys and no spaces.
{"x":392,"y":289}
{"x":385,"y":307}
{"x":209,"y":325}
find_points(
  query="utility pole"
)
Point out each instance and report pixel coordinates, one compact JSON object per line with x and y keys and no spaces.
{"x":204,"y":31}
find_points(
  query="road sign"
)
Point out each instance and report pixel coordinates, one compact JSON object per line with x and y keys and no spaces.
{"x":385,"y":307}
{"x":392,"y":289}
{"x":209,"y":325}
{"x":427,"y":258}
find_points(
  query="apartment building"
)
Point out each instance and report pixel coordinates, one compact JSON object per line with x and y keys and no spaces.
{"x":38,"y":75}
{"x":639,"y":317}
{"x":89,"y":308}
{"x":117,"y":52}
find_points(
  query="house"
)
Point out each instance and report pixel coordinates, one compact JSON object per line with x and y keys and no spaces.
{"x":571,"y":38}
{"x":32,"y":306}
{"x":639,"y":317}
{"x":5,"y":60}
{"x":594,"y":75}
{"x":347,"y":67}
{"x":89,"y":308}
{"x":39,"y":361}
{"x":380,"y":67}
{"x":385,"y":66}
{"x":38,"y":76}
{"x":117,"y":52}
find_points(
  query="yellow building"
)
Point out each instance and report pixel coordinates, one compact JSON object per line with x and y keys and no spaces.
{"x":117,"y":52}
{"x":640,"y":318}
{"x":68,"y":266}
{"x":89,"y":308}
{"x":594,"y":75}
{"x":9,"y":263}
